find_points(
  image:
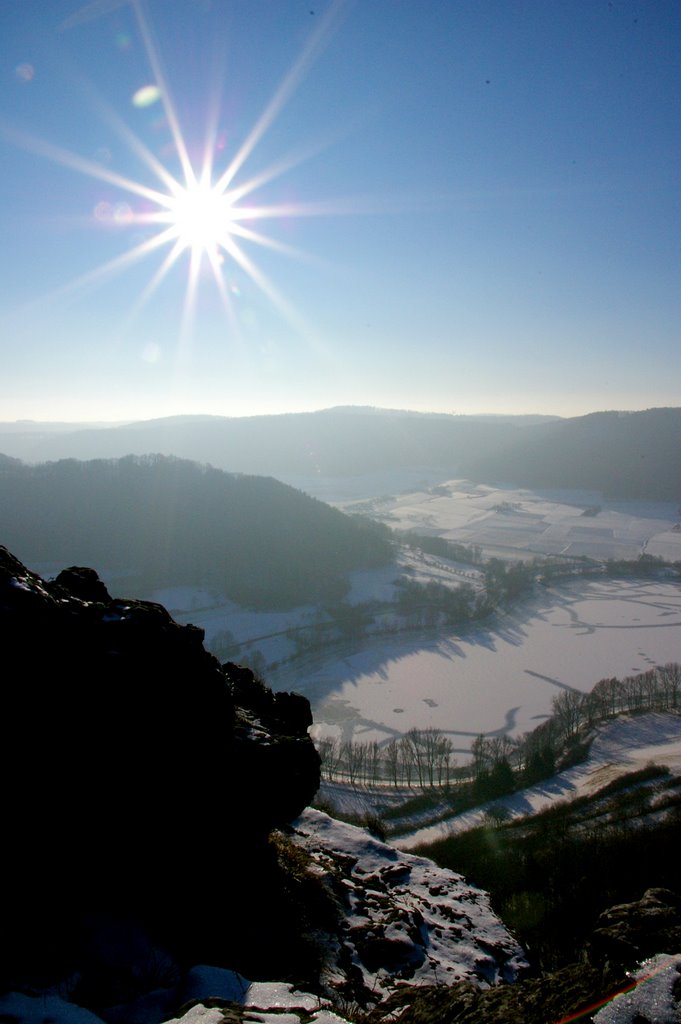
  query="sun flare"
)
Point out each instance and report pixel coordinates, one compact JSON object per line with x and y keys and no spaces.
{"x":201,"y":217}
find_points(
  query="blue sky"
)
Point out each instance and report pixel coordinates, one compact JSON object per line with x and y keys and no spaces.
{"x":468,"y":206}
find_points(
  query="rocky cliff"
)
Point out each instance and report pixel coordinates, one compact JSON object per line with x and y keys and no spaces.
{"x":140,"y":781}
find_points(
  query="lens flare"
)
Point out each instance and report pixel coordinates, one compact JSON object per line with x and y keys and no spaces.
{"x":25,"y":72}
{"x":647,"y":974}
{"x":146,"y":96}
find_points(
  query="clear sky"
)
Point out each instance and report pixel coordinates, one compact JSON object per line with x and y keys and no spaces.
{"x":251,"y":206}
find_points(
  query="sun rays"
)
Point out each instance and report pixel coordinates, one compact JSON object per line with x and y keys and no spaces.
{"x":198,"y":213}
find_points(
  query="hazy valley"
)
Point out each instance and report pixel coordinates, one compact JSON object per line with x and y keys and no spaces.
{"x":350,"y":608}
{"x":405,"y":601}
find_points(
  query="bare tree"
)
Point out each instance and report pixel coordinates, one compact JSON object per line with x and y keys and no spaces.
{"x":415,"y":740}
{"x":406,"y":760}
{"x":651,"y":688}
{"x":480,"y":754}
{"x":328,"y":749}
{"x":373,"y":760}
{"x":444,"y":760}
{"x":635,"y":692}
{"x":568,"y":709}
{"x":670,"y":683}
{"x":350,"y":760}
{"x":606,"y":697}
{"x":392,"y":760}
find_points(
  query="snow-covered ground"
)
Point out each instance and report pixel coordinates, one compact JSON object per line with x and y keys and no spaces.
{"x":413,"y":565}
{"x":500,"y":676}
{"x":515,"y":522}
{"x":495,"y":677}
{"x":233,"y":632}
{"x":621,"y":746}
{"x":341,"y":490}
{"x":405,"y":921}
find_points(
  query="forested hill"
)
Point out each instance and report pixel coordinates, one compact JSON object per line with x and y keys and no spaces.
{"x":331,"y":442}
{"x":623,"y":454}
{"x":162,"y":521}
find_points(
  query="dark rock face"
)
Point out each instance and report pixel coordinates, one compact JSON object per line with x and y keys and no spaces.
{"x":83,"y":583}
{"x":630,"y":932}
{"x":138,"y":776}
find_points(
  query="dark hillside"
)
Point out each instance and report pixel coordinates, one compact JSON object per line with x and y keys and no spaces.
{"x":623,"y":454}
{"x":169,"y":521}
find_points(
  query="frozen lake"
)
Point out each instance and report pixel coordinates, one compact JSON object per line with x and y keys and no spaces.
{"x":496,"y":678}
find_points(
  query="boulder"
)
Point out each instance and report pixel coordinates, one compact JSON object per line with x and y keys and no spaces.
{"x":630,"y":932}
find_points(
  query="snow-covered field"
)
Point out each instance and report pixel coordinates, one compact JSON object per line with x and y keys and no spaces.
{"x":273,"y":632}
{"x":496,"y":677}
{"x":621,"y":746}
{"x":500,"y":676}
{"x":515,"y":522}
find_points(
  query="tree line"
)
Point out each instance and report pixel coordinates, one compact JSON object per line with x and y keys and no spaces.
{"x":423,"y":758}
{"x":501,"y":764}
{"x":441,"y":546}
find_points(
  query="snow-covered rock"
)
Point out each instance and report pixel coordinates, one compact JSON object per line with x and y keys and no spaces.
{"x":406,"y":920}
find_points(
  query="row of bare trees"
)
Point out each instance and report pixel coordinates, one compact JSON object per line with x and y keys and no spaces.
{"x":424,"y":757}
{"x":657,"y":689}
{"x":575,"y":713}
{"x":499,"y":762}
{"x":421,"y":757}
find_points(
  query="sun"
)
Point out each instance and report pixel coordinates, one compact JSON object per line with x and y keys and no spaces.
{"x":202,"y":218}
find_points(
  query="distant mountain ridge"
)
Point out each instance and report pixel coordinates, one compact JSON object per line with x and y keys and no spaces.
{"x":623,"y":454}
{"x":331,"y":442}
